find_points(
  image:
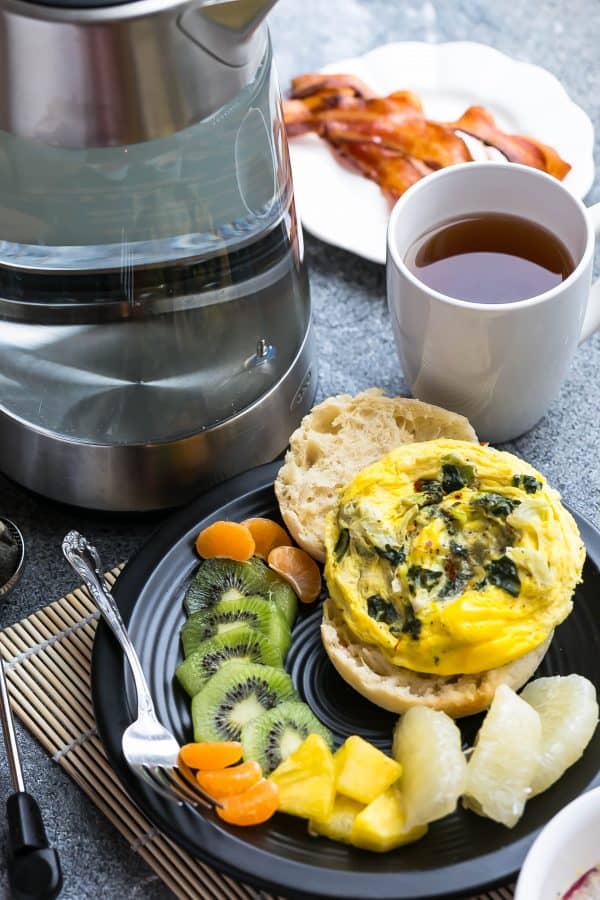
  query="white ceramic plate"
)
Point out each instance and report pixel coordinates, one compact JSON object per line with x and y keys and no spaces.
{"x":350,"y":211}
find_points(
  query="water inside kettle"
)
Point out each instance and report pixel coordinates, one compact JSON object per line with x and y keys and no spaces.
{"x":154,"y":290}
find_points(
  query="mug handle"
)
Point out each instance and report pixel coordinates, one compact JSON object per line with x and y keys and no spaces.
{"x":591,"y":320}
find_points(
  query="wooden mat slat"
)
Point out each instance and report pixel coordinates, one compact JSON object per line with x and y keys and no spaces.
{"x":48,"y":658}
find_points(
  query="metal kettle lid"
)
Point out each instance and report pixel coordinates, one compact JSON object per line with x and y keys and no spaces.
{"x":79,"y":4}
{"x":96,"y":73}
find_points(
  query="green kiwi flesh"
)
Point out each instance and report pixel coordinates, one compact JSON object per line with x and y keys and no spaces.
{"x":274,"y":735}
{"x":255,"y":612}
{"x":241,"y":643}
{"x":236,"y":694}
{"x":226,"y":579}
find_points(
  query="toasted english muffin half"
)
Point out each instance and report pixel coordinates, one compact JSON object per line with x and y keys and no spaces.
{"x":396,"y":689}
{"x":338,"y":438}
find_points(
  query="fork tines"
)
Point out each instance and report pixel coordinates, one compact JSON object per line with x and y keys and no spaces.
{"x":170,"y":781}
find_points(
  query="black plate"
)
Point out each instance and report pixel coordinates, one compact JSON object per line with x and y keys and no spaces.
{"x":461,"y":854}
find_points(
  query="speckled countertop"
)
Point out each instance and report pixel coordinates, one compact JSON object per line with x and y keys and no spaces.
{"x":354,"y":342}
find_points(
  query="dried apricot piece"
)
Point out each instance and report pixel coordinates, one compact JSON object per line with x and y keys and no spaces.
{"x":211,"y":754}
{"x":267,"y":535}
{"x":225,"y":539}
{"x":221,"y":783}
{"x":252,"y":807}
{"x":299,"y":569}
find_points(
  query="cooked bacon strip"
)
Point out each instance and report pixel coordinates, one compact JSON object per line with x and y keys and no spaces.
{"x":554,"y":164}
{"x":314,"y":113}
{"x":391,"y":122}
{"x":434,"y":143}
{"x":298,"y":118}
{"x":306,"y":85}
{"x":389,"y":140}
{"x":399,"y":101}
{"x":331,"y":99}
{"x":393,"y":172}
{"x":478,"y":122}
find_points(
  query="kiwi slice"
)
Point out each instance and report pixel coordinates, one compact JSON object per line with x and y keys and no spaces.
{"x":256,"y":612}
{"x":274,"y":735}
{"x":238,"y":693}
{"x":226,"y":579}
{"x":240,"y":643}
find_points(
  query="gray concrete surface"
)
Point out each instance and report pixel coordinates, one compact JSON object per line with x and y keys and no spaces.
{"x":356,"y":351}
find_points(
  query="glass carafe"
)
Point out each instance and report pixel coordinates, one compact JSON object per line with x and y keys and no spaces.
{"x":150,"y":293}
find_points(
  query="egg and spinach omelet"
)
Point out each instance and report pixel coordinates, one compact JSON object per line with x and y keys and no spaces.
{"x":451,"y":557}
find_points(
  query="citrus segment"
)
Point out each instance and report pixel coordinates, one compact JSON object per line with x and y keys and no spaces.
{"x":221,"y":783}
{"x":299,"y":569}
{"x":427,"y":744}
{"x":505,"y":758}
{"x":267,"y":535}
{"x":568,"y":710}
{"x":252,"y":807}
{"x":211,"y":754}
{"x":225,"y":539}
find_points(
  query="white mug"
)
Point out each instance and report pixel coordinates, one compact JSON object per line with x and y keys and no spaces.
{"x":499,"y":364}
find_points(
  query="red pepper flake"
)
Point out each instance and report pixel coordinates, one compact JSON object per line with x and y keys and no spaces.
{"x":450,"y":569}
{"x":458,"y":496}
{"x":484,"y":443}
{"x":418,"y":485}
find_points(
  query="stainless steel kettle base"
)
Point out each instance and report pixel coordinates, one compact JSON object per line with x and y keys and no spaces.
{"x":139,"y":477}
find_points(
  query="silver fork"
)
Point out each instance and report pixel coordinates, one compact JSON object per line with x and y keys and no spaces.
{"x":149,"y":748}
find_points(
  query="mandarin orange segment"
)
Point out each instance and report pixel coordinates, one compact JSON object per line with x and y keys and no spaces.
{"x":211,"y":754}
{"x":299,"y":569}
{"x":221,"y":783}
{"x":267,"y":535}
{"x":252,"y":807}
{"x":225,"y":539}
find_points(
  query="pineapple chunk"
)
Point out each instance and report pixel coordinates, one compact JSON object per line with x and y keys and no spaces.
{"x":381,"y":824}
{"x":362,"y":771}
{"x":338,"y":825}
{"x":306,"y":780}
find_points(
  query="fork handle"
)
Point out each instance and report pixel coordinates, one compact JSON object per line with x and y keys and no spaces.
{"x":83,"y":557}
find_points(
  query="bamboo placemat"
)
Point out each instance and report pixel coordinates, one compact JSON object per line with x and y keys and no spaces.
{"x":48,"y":662}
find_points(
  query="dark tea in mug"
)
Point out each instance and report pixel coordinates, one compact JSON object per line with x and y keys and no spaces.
{"x":490,"y":258}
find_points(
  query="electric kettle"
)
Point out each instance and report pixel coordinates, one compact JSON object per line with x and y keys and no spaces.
{"x":155,"y":332}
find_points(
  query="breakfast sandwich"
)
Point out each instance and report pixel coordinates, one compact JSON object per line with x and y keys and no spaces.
{"x":448,"y":566}
{"x":338,"y":438}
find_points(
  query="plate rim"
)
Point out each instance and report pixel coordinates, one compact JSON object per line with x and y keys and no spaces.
{"x":498,"y":58}
{"x":254,"y":865}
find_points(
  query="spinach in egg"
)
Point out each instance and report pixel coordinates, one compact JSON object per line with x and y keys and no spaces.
{"x":503,"y":574}
{"x":456,"y":474}
{"x":411,"y":624}
{"x":342,"y":544}
{"x":382,"y":610}
{"x":495,"y":504}
{"x":527,"y":482}
{"x":431,"y":491}
{"x":394,"y":555}
{"x":423,"y":578}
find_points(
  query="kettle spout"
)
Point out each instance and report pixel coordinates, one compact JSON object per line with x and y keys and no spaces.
{"x":238,"y":16}
{"x":229,"y":30}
